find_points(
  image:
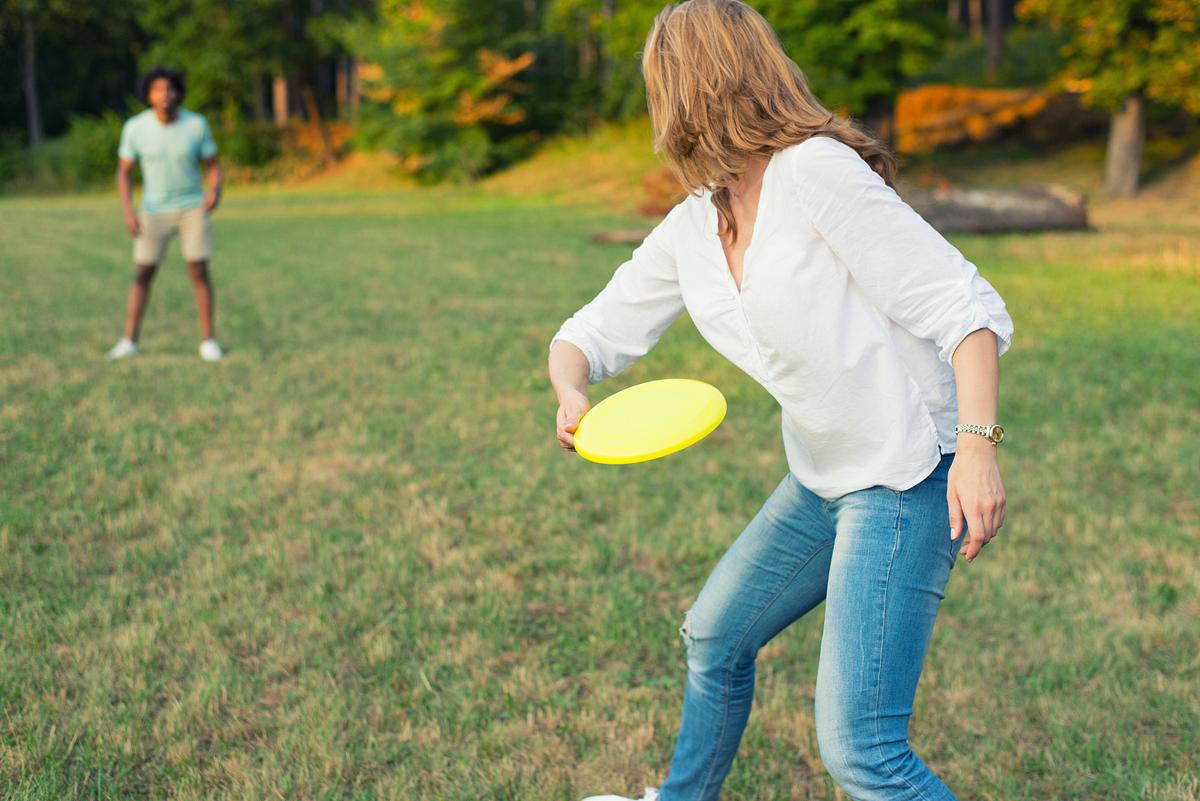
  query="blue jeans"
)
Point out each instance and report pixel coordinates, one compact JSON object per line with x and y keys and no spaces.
{"x":880,"y":560}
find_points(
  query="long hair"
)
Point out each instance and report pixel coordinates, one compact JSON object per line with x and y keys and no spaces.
{"x":721,"y":90}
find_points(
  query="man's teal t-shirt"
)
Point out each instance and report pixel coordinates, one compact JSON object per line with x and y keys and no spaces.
{"x":169,"y":155}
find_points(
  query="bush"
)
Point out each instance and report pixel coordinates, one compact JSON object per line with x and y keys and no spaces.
{"x":250,"y":144}
{"x":86,"y":154}
{"x":12,"y":156}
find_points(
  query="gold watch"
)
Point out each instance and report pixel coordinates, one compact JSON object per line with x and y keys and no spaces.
{"x":993,"y":434}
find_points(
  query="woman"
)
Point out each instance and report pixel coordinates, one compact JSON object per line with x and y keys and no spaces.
{"x":798,"y":262}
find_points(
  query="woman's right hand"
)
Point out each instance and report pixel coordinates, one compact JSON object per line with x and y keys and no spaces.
{"x":572,"y":405}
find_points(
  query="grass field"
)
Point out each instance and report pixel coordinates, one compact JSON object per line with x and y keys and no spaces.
{"x":351,"y":562}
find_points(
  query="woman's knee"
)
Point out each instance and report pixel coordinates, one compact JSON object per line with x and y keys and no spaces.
{"x":713,"y":640}
{"x":865,"y":767}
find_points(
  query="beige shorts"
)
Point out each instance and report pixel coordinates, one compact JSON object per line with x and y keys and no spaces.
{"x":195,"y":235}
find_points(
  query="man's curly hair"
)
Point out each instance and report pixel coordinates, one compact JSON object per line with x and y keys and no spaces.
{"x":153,"y":74}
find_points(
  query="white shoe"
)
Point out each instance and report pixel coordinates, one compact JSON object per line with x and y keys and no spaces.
{"x":124,"y":348}
{"x":651,"y":795}
{"x":210,"y":351}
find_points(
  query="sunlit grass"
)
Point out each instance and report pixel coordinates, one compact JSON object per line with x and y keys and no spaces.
{"x":351,"y":562}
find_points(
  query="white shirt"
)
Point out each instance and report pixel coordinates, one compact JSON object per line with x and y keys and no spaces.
{"x":850,"y":308}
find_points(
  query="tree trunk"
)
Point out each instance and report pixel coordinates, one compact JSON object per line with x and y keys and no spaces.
{"x":314,"y":118}
{"x":279,"y":98}
{"x":995,"y":50}
{"x":1122,"y":165}
{"x":879,"y":117}
{"x":587,"y":50}
{"x":954,"y":12}
{"x":342,"y":87}
{"x":975,"y":15}
{"x":607,"y":9}
{"x":260,"y":100}
{"x":33,"y":108}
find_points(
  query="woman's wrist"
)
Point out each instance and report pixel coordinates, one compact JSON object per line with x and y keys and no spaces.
{"x":570,"y":390}
{"x":968,"y":442}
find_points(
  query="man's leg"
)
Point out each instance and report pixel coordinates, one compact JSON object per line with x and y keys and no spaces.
{"x":148,"y":248}
{"x":202,"y":289}
{"x":195,"y":239}
{"x":139,"y":293}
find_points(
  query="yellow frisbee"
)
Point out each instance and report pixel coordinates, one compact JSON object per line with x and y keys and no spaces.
{"x":649,"y":421}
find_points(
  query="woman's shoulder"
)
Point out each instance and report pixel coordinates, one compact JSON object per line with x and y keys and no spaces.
{"x":817,"y":149}
{"x":821,"y":160}
{"x":688,"y":215}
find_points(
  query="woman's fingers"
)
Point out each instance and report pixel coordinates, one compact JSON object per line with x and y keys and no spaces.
{"x":977,"y":537}
{"x":565,"y":438}
{"x":956,"y":515}
{"x":567,"y":424}
{"x":975,"y":497}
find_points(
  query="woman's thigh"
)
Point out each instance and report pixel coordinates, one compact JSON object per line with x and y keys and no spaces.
{"x":775,"y":571}
{"x":891,"y":560}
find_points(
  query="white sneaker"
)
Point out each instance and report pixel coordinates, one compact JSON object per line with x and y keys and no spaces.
{"x":210,"y":351}
{"x":651,"y":795}
{"x":124,"y":348}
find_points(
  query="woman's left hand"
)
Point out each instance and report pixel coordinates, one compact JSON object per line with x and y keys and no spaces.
{"x":975,"y":494}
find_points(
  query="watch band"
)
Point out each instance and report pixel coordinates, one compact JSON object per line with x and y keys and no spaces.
{"x":993,"y":433}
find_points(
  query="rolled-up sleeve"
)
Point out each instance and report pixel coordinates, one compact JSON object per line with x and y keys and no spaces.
{"x":631,"y":313}
{"x":902,"y":264}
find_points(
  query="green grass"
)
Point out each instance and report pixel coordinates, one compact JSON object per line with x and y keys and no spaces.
{"x":351,"y":562}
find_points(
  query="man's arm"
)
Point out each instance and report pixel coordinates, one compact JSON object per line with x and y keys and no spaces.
{"x":216,"y":179}
{"x":125,"y":189}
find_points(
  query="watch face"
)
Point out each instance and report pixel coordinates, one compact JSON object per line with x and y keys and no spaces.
{"x":997,"y":434}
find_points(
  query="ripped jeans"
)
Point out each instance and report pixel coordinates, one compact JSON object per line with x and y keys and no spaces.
{"x":880,"y":560}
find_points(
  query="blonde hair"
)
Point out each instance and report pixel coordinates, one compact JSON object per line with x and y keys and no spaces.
{"x":721,"y":90}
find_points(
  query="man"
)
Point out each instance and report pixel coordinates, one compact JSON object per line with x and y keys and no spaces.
{"x":171,"y":144}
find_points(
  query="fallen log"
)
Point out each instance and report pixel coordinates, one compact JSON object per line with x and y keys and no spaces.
{"x":977,"y":211}
{"x":987,"y":211}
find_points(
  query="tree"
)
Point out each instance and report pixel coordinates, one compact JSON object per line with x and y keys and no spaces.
{"x":605,"y":38}
{"x":67,"y":63}
{"x":442,"y":91}
{"x":27,"y":16}
{"x":857,"y":54}
{"x":1120,"y":54}
{"x":224,"y":46}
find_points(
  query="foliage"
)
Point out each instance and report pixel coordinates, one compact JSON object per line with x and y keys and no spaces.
{"x":604,"y":40}
{"x":86,"y":58}
{"x":250,"y":144}
{"x":438,"y":97}
{"x":224,"y":46}
{"x":858,"y":54}
{"x":937,"y":114}
{"x":85,"y":155}
{"x":1031,"y":58}
{"x":458,"y":88}
{"x":1126,"y":47}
